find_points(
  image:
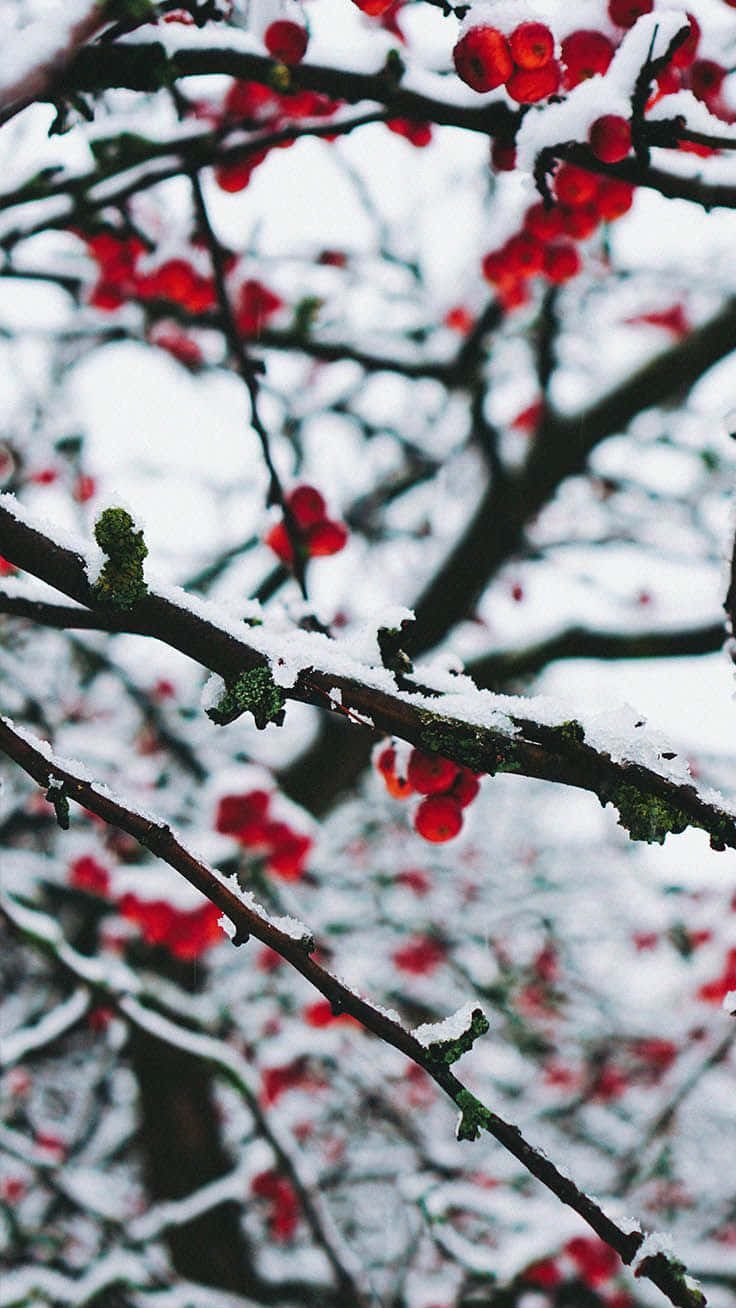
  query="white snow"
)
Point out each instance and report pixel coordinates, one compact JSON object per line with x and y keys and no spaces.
{"x":653,"y":1244}
{"x":451,"y":1028}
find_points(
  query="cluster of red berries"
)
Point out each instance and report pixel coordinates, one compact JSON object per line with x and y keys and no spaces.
{"x":83,"y":488}
{"x":317,"y":534}
{"x":246,"y":818}
{"x":546,"y":244}
{"x":254,"y":105}
{"x":282,"y":1202}
{"x":121,"y":278}
{"x":586,"y":1258}
{"x":176,"y":281}
{"x":185,"y":933}
{"x":523,"y":62}
{"x":296,"y":1075}
{"x":188,"y":933}
{"x":714,"y":992}
{"x":448,"y":788}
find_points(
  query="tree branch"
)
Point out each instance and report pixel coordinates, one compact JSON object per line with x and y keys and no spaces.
{"x":450,"y":717}
{"x":147,"y":67}
{"x":503,"y":666}
{"x":35,"y":759}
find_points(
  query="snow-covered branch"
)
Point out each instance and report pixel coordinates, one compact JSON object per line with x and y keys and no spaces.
{"x":293,"y":943}
{"x":437,"y":712}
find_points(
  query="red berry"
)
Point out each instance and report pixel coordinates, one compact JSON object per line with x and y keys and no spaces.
{"x":289,"y":851}
{"x":585,"y":53}
{"x":610,"y":138}
{"x":422,"y":954}
{"x":465,"y":787}
{"x":513,"y":293}
{"x":495,"y":268}
{"x":527,"y":86}
{"x":544,"y":223}
{"x":326,"y":538}
{"x":87,"y":874}
{"x":179,"y":345}
{"x":332,"y":259}
{"x":545,"y":1273}
{"x":418,"y":134}
{"x":532,"y":45}
{"x":12,"y":1189}
{"x":255,"y":305}
{"x":575,"y":186}
{"x":232,"y":177}
{"x":430,"y":773}
{"x":581,"y":222}
{"x":624,"y":13}
{"x":528,"y":419}
{"x":307,"y":505}
{"x":705,"y":79}
{"x":482,"y":58}
{"x":373,"y":7}
{"x":561,"y":262}
{"x":596,"y":1262}
{"x":398,"y":787}
{"x":85,"y":488}
{"x":236,"y":812}
{"x":286,"y":41}
{"x":524,"y":255}
{"x":438,"y":818}
{"x":277,"y":538}
{"x":668,"y":82}
{"x":684,"y":56}
{"x":614,"y":198}
{"x":459,"y":319}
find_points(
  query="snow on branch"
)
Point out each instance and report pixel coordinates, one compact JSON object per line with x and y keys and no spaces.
{"x":437,"y":712}
{"x":149,"y":65}
{"x":35,"y":57}
{"x":37,"y":759}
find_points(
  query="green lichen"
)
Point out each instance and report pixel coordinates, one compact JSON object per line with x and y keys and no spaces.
{"x":468,"y":745}
{"x":453,"y":739}
{"x":120,"y":584}
{"x":280,"y":78}
{"x":661,"y":1263}
{"x":571,"y":732}
{"x":306,"y":314}
{"x":448,"y":1051}
{"x":473,"y":1116}
{"x":648,"y":817}
{"x":253,"y":692}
